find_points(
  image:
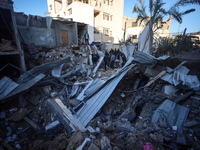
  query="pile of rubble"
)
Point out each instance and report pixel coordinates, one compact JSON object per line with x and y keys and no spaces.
{"x":7,"y":46}
{"x":65,"y":102}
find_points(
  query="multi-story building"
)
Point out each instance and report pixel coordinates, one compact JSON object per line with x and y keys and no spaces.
{"x":133,"y":29}
{"x":104,"y":17}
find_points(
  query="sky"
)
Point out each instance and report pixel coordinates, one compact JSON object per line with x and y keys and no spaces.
{"x":190,"y":21}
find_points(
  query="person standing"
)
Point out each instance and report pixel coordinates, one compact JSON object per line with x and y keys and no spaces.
{"x":86,"y":37}
{"x":123,"y":59}
{"x":112,"y":59}
{"x":106,"y":60}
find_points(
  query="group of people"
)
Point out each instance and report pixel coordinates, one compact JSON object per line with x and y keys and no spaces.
{"x":114,"y":58}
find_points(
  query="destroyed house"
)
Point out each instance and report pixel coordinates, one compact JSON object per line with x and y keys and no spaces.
{"x":11,"y":53}
{"x":48,"y":31}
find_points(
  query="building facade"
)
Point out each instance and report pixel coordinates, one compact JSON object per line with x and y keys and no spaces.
{"x":104,"y":17}
{"x":132,"y":29}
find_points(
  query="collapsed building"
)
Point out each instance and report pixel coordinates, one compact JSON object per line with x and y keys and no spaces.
{"x":64,"y":101}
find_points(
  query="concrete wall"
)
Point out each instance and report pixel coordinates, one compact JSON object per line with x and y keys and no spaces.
{"x":37,"y":36}
{"x":72,"y":33}
{"x":37,"y":32}
{"x":83,"y":13}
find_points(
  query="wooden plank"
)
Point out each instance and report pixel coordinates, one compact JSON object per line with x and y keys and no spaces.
{"x":31,"y":123}
{"x":184,"y":96}
{"x":76,"y":123}
{"x":155,"y":78}
{"x":64,"y":35}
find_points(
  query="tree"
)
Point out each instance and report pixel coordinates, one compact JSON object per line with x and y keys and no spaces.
{"x":157,"y":13}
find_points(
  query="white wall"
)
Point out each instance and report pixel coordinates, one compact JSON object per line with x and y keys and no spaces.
{"x":133,"y":31}
{"x":83,"y":13}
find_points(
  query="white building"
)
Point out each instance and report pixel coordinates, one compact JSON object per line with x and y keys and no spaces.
{"x":104,"y":17}
{"x":133,"y":29}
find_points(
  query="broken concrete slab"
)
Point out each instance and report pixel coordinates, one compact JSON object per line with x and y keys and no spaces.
{"x":105,"y":143}
{"x":93,"y":147}
{"x":169,"y":90}
{"x":175,"y":114}
{"x":19,"y":114}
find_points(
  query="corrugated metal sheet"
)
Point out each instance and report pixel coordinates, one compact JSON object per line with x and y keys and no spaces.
{"x":148,"y":60}
{"x":6,"y":86}
{"x":24,"y":86}
{"x":94,"y":104}
{"x":41,"y":69}
{"x":145,"y":59}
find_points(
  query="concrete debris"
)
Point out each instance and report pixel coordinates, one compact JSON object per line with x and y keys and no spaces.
{"x":180,"y":76}
{"x":19,"y":114}
{"x":76,"y":97}
{"x":172,"y":113}
{"x":105,"y":143}
{"x":93,"y":147}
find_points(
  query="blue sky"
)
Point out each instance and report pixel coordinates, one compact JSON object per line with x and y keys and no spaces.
{"x":190,"y":21}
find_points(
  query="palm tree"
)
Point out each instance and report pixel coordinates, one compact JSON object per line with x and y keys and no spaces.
{"x":157,"y":13}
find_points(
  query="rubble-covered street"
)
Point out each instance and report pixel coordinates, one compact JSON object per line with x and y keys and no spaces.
{"x":142,"y":109}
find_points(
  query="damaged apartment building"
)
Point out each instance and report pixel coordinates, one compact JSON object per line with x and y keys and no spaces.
{"x":48,"y":31}
{"x":11,"y":52}
{"x":18,"y":29}
{"x":104,"y":17}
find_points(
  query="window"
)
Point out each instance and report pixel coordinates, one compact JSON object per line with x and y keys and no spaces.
{"x":111,"y":17}
{"x":70,"y":11}
{"x":105,"y":31}
{"x":50,"y":7}
{"x":134,"y":37}
{"x":106,"y":2}
{"x":105,"y":16}
{"x":134,"y":24}
{"x":111,"y":2}
{"x":110,"y":33}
